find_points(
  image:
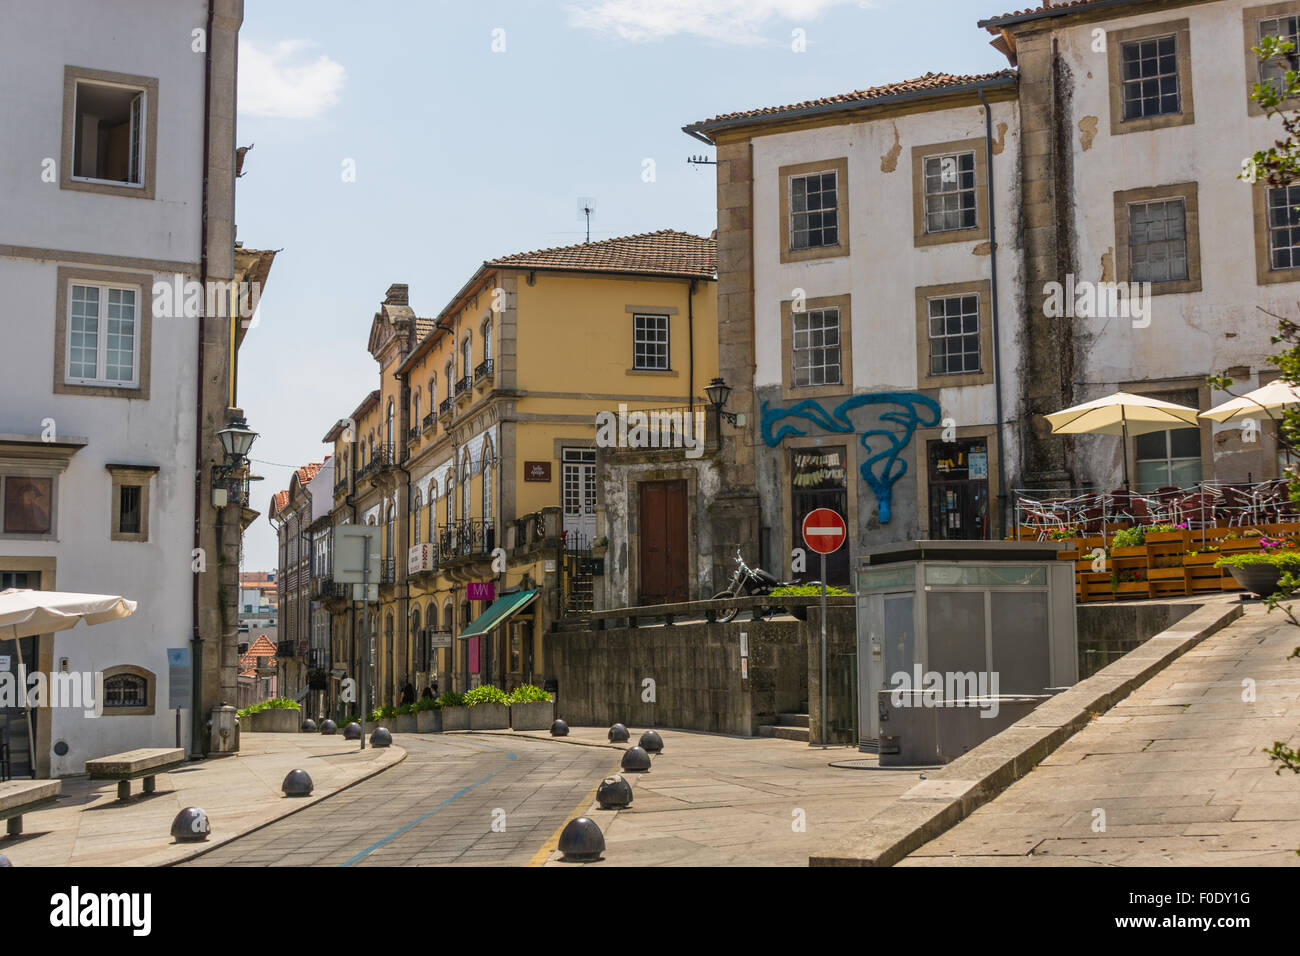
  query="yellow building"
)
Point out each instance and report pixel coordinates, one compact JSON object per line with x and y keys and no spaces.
{"x":483,"y":465}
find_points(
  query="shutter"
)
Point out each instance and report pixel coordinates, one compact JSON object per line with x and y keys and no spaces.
{"x":137,"y":130}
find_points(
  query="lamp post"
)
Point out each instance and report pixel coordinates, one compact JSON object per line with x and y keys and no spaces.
{"x":718,"y":392}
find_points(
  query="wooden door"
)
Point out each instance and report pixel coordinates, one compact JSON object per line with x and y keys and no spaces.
{"x":664,"y":556}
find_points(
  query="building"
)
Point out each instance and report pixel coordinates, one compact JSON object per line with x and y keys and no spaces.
{"x":117,"y":195}
{"x":257,"y":596}
{"x":257,"y":672}
{"x":290,"y":513}
{"x":893,"y":263}
{"x":476,"y":457}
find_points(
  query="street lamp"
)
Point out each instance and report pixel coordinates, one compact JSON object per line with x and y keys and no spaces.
{"x":718,"y":392}
{"x":236,"y":441}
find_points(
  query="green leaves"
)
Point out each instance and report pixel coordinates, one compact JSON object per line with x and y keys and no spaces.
{"x":275,"y":703}
{"x":486,"y":694}
{"x":527,"y":694}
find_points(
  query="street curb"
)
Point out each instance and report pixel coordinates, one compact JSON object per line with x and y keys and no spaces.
{"x":976,"y":777}
{"x":528,"y":736}
{"x":300,"y":805}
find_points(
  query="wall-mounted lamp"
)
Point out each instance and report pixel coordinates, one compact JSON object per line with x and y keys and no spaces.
{"x":236,"y":441}
{"x":718,"y":392}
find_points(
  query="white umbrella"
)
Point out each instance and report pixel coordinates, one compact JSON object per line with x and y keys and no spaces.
{"x":24,"y":613}
{"x":1274,"y":397}
{"x":1122,"y":414}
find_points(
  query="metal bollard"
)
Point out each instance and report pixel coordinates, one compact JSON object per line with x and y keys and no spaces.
{"x":582,"y":841}
{"x":559,"y":729}
{"x":352,"y":731}
{"x":651,"y":742}
{"x":615,"y":793}
{"x":191,"y":826}
{"x":381,"y":737}
{"x":309,"y":726}
{"x":636,"y":760}
{"x":329,"y":728}
{"x":297,"y":784}
{"x":618,"y":734}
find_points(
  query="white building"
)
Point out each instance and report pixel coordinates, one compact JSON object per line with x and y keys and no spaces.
{"x":102,"y":157}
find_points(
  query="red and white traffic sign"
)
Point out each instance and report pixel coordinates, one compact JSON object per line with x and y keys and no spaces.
{"x":824,"y":530}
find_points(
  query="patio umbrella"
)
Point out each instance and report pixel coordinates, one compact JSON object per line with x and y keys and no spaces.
{"x":25,"y":612}
{"x":1122,"y":414}
{"x":1274,"y":397}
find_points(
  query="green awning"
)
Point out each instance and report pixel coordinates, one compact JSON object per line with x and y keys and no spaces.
{"x":498,"y":612}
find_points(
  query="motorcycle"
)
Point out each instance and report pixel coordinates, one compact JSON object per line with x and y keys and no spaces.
{"x":750,"y":582}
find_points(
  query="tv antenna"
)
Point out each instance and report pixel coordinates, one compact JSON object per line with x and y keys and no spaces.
{"x":586,"y":206}
{"x":701,"y":161}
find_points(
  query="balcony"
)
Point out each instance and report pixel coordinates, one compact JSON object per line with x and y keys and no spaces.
{"x":483,"y":372}
{"x":381,"y":462}
{"x":387,"y":570}
{"x":413,"y":433}
{"x":533,"y":532}
{"x":286,"y":650}
{"x":322,"y":587}
{"x":461,"y":540}
{"x":463,"y":387}
{"x":444,"y":407}
{"x":430,"y":420}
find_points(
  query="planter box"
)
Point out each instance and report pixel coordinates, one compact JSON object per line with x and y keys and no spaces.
{"x":1161,"y":537}
{"x":276,"y":722}
{"x":455,"y":718}
{"x":403,"y":724}
{"x":1202,"y":559}
{"x":1132,"y":589}
{"x":489,"y":717}
{"x":428,"y":722}
{"x":1165,"y":574}
{"x":533,"y":715}
{"x":1137,"y":551}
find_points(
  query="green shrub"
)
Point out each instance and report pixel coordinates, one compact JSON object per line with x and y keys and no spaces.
{"x":451,"y":699}
{"x":1128,"y":538}
{"x":486,"y":694}
{"x":527,"y":694}
{"x":404,"y":710}
{"x":275,"y":703}
{"x":806,"y":590}
{"x":425,"y":703}
{"x":1283,"y":560}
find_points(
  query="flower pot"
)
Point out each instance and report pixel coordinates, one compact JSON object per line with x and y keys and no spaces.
{"x":428,"y":721}
{"x":455,"y":718}
{"x":277,"y":721}
{"x":489,"y":717}
{"x":532,"y":715}
{"x":403,"y":724}
{"x":1258,"y":578}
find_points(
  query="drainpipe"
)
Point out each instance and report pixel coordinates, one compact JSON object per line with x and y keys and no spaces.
{"x":198,"y":741}
{"x":690,"y":345}
{"x":997,"y":348}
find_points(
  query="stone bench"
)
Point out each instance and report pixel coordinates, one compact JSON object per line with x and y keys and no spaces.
{"x":24,"y":796}
{"x":132,"y":765}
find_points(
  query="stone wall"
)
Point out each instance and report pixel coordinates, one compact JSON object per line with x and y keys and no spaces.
{"x":1109,"y":631}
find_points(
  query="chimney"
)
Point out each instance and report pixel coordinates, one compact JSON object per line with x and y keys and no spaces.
{"x":397,"y":294}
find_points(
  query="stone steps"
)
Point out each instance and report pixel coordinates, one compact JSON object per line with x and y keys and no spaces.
{"x":784,"y":733}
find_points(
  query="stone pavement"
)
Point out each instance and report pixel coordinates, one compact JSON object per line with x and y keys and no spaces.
{"x":1175,"y":772}
{"x":711,"y":800}
{"x":89,"y":827}
{"x":458,"y":799}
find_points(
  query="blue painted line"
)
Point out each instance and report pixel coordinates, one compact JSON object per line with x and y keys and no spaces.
{"x":510,"y":755}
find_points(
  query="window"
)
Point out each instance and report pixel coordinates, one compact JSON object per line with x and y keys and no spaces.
{"x":1284,"y":227}
{"x":814,"y":220}
{"x":816,"y":348}
{"x":465,"y":473}
{"x":1278,"y":19}
{"x":1171,"y":458}
{"x":486,"y":469}
{"x":650,"y":342}
{"x":415,"y":410}
{"x":109,"y":132}
{"x":1157,"y":241}
{"x":814,"y":210}
{"x":388,"y":440}
{"x":1284,"y":28}
{"x":1150,"y":77}
{"x":950,"y":192}
{"x":1150,"y":72}
{"x":128,"y":691}
{"x":450,"y":485}
{"x":451,"y":377}
{"x":487,"y":340}
{"x":1157,"y":238}
{"x":103,"y":336}
{"x":954,"y":332}
{"x":467,"y":362}
{"x":415,"y":517}
{"x":128,"y":511}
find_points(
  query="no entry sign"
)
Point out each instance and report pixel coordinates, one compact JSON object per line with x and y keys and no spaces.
{"x":824,"y":531}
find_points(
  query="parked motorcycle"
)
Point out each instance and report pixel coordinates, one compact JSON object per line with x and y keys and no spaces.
{"x":750,"y":582}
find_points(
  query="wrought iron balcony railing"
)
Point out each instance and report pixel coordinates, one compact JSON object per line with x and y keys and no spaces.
{"x":465,"y":539}
{"x":429,"y":420}
{"x":463,"y":386}
{"x":413,"y":433}
{"x":444,"y":407}
{"x":483,"y":370}
{"x":387,"y":570}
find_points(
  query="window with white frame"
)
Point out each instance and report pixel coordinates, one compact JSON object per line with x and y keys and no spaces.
{"x":416,"y":505}
{"x":954,"y":331}
{"x":650,"y":342}
{"x":464,"y":487}
{"x":108,"y":133}
{"x":950,"y":192}
{"x":486,"y":469}
{"x":1273,"y":70}
{"x":103,"y":335}
{"x":487,"y":340}
{"x":814,"y":210}
{"x":450,"y":485}
{"x":1158,"y":240}
{"x":1284,"y":227}
{"x":815,"y":347}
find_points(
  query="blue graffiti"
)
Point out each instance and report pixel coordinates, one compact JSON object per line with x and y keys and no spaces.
{"x":917,"y":411}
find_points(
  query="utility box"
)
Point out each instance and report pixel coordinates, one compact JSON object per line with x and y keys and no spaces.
{"x":963,"y":621}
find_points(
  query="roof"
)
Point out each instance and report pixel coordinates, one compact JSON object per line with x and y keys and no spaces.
{"x":936,"y":84}
{"x":666,"y":252}
{"x":280,"y":499}
{"x":1058,"y":9}
{"x":367,"y":403}
{"x":307,"y":472}
{"x":261,"y":653}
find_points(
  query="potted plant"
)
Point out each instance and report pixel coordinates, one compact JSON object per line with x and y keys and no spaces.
{"x":455,"y":715}
{"x":489,"y":708}
{"x":279,"y":715}
{"x":1259,"y":571}
{"x":1128,"y":543}
{"x":428,"y":718}
{"x":531,"y":708}
{"x":380,"y":716}
{"x":404,"y":719}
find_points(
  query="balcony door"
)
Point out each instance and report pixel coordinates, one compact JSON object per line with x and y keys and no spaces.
{"x":578,"y":491}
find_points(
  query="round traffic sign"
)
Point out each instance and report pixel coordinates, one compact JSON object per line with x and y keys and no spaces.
{"x":824,"y":530}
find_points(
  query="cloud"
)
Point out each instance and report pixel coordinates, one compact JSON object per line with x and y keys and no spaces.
{"x":282,"y":83}
{"x":728,"y":21}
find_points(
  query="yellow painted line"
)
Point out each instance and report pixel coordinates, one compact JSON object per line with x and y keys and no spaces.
{"x":553,"y":841}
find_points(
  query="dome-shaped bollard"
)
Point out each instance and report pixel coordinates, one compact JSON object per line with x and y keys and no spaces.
{"x":309,"y":726}
{"x":615,"y":793}
{"x":582,"y":841}
{"x":618,"y":734}
{"x":329,"y":728}
{"x":352,"y":731}
{"x":651,"y":742}
{"x":4,"y":861}
{"x":381,"y":738}
{"x":559,"y":729}
{"x":636,"y":760}
{"x":297,"y":784}
{"x":191,"y":826}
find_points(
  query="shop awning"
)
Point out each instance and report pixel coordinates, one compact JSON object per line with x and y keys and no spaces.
{"x":498,"y":612}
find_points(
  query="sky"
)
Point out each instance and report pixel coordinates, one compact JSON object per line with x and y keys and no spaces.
{"x":410,"y":141}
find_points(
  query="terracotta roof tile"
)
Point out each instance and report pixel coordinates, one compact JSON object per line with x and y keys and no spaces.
{"x":307,"y":472}
{"x":281,"y":499}
{"x":930,"y":82}
{"x":666,"y":252}
{"x":1034,"y":13}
